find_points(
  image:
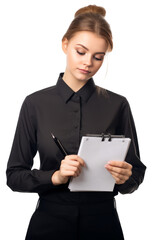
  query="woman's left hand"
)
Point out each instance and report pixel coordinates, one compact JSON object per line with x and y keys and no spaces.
{"x":121,"y":171}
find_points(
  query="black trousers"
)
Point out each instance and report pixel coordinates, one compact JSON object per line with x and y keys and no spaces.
{"x":52,"y":221}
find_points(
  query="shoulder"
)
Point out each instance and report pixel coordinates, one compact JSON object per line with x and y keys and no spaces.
{"x":111,"y":96}
{"x":40,"y":95}
{"x":43,"y":93}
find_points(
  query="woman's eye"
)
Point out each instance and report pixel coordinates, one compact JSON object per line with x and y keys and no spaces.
{"x":80,"y":53}
{"x":98,"y":59}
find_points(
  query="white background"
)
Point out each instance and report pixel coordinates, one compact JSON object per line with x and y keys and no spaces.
{"x":31,"y":59}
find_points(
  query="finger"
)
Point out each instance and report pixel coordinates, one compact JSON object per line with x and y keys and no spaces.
{"x":120,"y":164}
{"x":70,"y":173}
{"x":118,"y":179}
{"x":70,"y":168}
{"x":76,"y":158}
{"x":119,"y":176}
{"x":71,"y":163}
{"x":65,"y":167}
{"x":76,"y":174}
{"x":117,"y":170}
{"x":122,"y":173}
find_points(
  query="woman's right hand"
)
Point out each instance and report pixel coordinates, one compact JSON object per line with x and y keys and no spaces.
{"x":70,"y":167}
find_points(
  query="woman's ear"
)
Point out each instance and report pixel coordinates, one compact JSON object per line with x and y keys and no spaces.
{"x":64,"y":45}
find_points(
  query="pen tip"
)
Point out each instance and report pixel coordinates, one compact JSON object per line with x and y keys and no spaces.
{"x":52,"y":135}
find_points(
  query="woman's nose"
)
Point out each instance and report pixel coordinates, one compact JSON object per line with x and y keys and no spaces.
{"x":88,"y":61}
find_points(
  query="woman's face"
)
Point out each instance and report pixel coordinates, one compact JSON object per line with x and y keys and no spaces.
{"x":85,"y":52}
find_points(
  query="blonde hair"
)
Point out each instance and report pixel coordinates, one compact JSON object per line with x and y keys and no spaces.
{"x":91,"y":18}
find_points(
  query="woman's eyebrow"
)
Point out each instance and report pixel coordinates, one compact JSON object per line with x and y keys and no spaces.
{"x":83,"y":46}
{"x":88,"y":49}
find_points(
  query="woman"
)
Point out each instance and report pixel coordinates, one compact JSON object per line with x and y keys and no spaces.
{"x":75,"y":106}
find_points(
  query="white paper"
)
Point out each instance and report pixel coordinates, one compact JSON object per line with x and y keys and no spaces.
{"x":96,"y":153}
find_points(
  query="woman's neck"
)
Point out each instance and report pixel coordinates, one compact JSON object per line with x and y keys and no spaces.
{"x":73,"y":83}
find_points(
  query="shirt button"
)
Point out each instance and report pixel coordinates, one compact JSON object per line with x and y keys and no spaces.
{"x":75,"y":126}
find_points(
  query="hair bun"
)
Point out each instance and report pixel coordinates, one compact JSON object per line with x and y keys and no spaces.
{"x":91,"y":9}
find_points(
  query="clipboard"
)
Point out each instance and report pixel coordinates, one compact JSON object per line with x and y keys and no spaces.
{"x":96,"y":150}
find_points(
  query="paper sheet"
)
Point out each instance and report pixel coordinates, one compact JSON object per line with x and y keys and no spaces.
{"x":96,"y":153}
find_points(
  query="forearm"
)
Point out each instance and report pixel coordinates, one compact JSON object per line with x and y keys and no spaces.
{"x":133,"y":182}
{"x":22,"y":180}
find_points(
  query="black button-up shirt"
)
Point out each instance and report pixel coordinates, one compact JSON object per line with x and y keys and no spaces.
{"x":68,"y":115}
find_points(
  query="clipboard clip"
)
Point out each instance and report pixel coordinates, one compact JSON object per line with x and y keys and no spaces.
{"x":109,"y":137}
{"x":103,"y":136}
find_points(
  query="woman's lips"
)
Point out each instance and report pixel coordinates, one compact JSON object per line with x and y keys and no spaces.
{"x":84,"y":71}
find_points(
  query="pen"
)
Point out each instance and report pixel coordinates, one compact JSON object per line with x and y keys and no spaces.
{"x":59,"y":145}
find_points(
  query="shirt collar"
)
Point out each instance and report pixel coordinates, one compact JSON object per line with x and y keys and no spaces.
{"x":68,"y":94}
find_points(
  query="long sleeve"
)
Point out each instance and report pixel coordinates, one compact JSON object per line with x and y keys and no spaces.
{"x":20,"y":177}
{"x":68,"y":115}
{"x":127,"y":128}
